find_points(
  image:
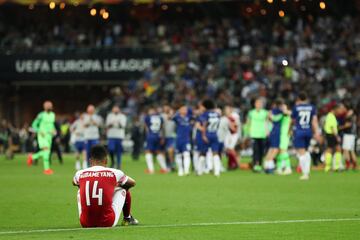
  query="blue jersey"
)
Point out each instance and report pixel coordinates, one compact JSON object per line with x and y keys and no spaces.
{"x":198,"y":134}
{"x":274,"y":137}
{"x":277,"y":115}
{"x":212,"y":121}
{"x":183,"y":127}
{"x":154,"y":123}
{"x":303,"y":115}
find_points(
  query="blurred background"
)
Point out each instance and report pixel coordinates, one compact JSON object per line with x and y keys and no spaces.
{"x":145,"y":52}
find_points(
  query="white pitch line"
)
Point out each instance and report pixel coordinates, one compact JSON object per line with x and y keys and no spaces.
{"x":188,"y":225}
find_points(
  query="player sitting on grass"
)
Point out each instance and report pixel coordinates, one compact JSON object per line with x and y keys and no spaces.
{"x":103,"y":193}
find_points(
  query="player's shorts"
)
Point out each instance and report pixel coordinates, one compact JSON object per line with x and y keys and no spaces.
{"x":349,"y":141}
{"x":169,"y":142}
{"x":213,"y":143}
{"x":301,"y":140}
{"x":284,"y":142}
{"x":331,"y":141}
{"x":79,"y":146}
{"x":183,"y":146}
{"x":153,"y":144}
{"x":274,"y":140}
{"x":88,"y":144}
{"x":222,"y":146}
{"x":44,"y":140}
{"x":230,"y":141}
{"x":200,"y":145}
{"x":114,"y":144}
{"x":91,"y":142}
{"x":112,"y":217}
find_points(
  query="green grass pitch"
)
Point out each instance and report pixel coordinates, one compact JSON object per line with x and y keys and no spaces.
{"x":238,"y":205}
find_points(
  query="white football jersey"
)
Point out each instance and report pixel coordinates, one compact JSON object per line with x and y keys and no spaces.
{"x":223,"y":129}
{"x":77,"y":130}
{"x":116,"y":124}
{"x":169,"y":128}
{"x":92,"y":125}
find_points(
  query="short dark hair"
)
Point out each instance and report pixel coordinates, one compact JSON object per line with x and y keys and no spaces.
{"x":278,"y":102}
{"x":208,"y":104}
{"x":98,"y":153}
{"x":302,"y":96}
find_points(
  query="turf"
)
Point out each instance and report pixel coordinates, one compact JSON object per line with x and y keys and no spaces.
{"x":30,"y":200}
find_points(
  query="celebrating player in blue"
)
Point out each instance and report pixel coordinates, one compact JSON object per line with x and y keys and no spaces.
{"x":274,"y":137}
{"x":154,"y":141}
{"x":305,"y":123}
{"x":182,"y":120}
{"x":210,"y":120}
{"x":200,"y":147}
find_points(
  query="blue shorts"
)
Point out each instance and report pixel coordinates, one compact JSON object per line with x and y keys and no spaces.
{"x":274,"y":140}
{"x":91,"y":142}
{"x":214,"y":143}
{"x":153,"y":144}
{"x":169,"y":142}
{"x":183,"y":146}
{"x":114,"y":144}
{"x":302,"y":140}
{"x":200,"y":146}
{"x":221,"y":146}
{"x":79,"y":146}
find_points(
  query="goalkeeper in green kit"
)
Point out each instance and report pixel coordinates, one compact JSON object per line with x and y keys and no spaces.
{"x":283,"y":165}
{"x":44,"y":126}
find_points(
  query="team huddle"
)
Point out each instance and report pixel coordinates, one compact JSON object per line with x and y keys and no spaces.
{"x":205,"y":133}
{"x":201,"y":133}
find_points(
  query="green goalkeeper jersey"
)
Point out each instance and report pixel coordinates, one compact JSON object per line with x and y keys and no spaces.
{"x":258,"y":123}
{"x":44,"y":122}
{"x":285,"y":125}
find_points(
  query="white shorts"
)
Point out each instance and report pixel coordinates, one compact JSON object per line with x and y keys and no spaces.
{"x":117,"y":203}
{"x":349,"y":142}
{"x":230,"y":141}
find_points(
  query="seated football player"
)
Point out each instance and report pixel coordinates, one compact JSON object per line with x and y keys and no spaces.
{"x":103,"y":193}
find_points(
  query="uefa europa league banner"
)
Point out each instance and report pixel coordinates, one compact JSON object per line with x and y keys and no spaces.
{"x":78,"y":67}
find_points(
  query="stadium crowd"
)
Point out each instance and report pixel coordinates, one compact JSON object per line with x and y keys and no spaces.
{"x":231,"y":60}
